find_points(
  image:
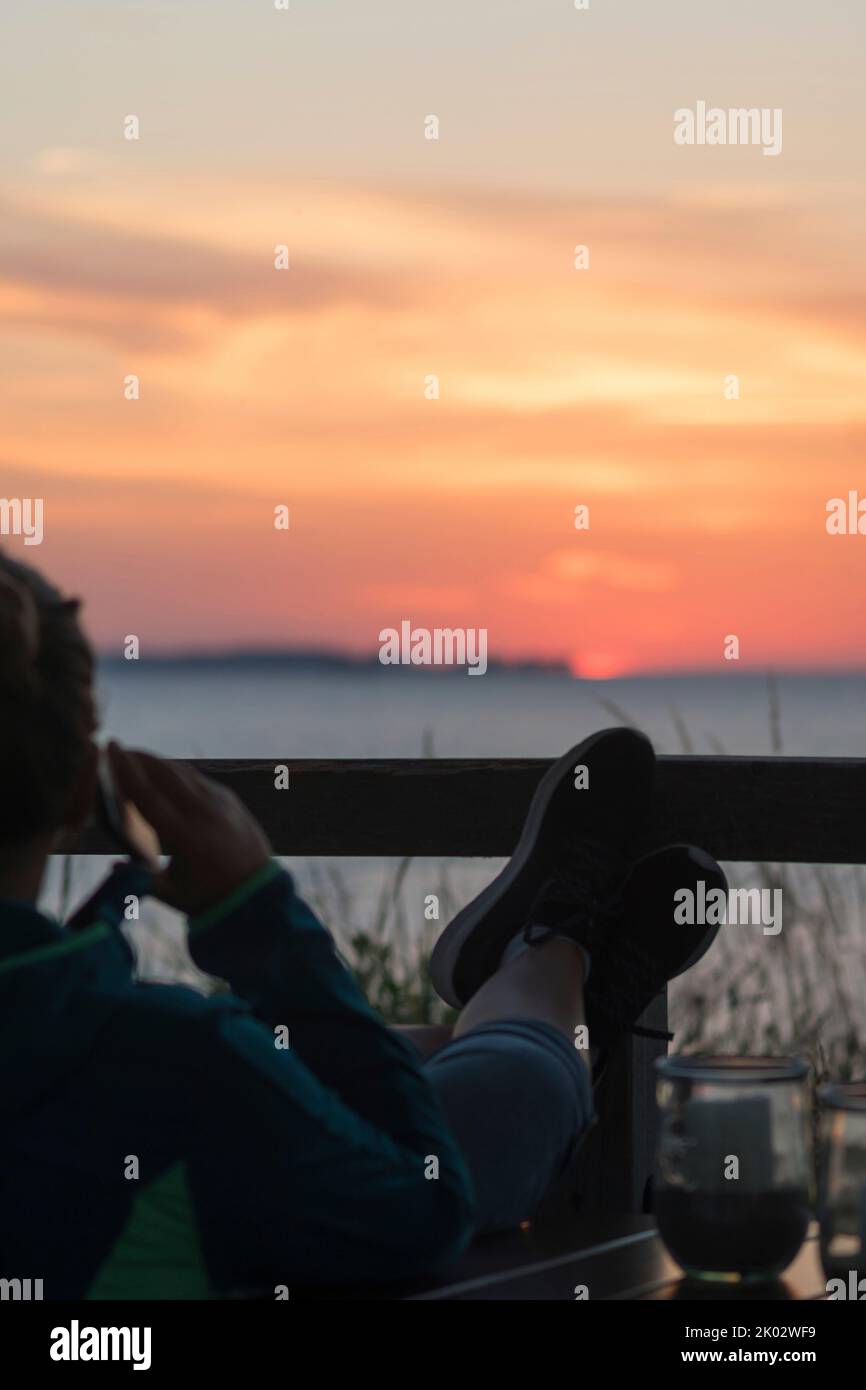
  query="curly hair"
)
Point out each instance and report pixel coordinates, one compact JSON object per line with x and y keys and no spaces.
{"x":47,"y":712}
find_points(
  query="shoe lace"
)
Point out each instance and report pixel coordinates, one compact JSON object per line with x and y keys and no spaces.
{"x":578,"y":890}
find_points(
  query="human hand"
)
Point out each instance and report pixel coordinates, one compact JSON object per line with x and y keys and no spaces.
{"x":213,"y":841}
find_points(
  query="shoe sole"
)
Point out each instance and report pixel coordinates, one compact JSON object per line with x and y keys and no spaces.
{"x":520,"y":879}
{"x":708,"y":865}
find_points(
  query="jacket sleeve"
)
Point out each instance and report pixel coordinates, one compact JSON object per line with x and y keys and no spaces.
{"x":337,"y":1164}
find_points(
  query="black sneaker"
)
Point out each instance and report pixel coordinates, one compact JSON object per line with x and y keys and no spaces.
{"x":636,"y":943}
{"x":580,"y":838}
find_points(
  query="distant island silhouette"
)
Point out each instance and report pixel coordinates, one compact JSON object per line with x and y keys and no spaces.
{"x":330,"y":659}
{"x":318,"y":659}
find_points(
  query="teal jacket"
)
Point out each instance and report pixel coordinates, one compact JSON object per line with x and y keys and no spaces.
{"x":157,"y":1143}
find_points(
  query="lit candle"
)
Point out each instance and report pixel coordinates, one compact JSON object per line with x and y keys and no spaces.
{"x":717,"y":1131}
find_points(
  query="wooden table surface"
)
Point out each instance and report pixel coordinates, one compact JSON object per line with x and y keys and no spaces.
{"x":621,"y":1258}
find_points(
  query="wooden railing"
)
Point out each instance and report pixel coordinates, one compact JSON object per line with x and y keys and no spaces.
{"x":807,"y":810}
{"x":740,"y":809}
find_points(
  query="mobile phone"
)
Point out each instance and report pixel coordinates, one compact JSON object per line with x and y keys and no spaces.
{"x":122,"y":821}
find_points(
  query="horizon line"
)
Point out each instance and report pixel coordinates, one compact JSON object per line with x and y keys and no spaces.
{"x":558,"y":666}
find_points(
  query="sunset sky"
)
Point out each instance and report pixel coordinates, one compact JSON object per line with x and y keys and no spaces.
{"x":412,"y":257}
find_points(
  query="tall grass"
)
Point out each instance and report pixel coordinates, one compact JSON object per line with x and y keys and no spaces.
{"x":801,"y":991}
{"x":389,"y":955}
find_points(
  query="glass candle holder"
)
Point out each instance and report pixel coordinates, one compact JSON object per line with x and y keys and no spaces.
{"x":842,"y":1196}
{"x":733,"y":1176}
